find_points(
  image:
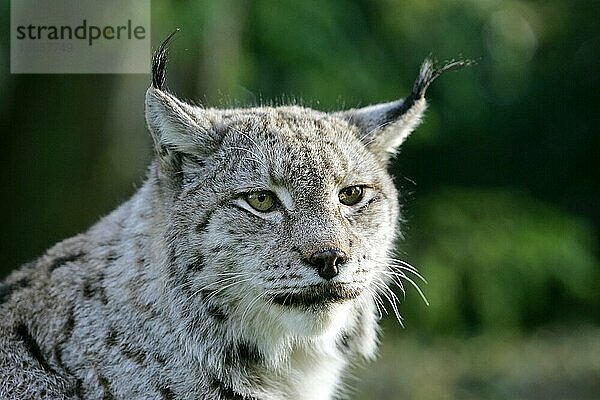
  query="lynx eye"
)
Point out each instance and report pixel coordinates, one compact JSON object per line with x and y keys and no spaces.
{"x":261,"y":201}
{"x":351,"y":195}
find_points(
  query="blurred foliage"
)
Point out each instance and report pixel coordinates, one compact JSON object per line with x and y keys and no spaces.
{"x":497,"y":259}
{"x":523,"y":121}
{"x":554,"y":363}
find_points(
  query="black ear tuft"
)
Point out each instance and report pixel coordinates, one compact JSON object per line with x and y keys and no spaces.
{"x":427,"y":74}
{"x":159,"y":61}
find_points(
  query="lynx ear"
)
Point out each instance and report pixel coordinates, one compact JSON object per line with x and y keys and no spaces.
{"x":384,"y":127}
{"x":175,"y":126}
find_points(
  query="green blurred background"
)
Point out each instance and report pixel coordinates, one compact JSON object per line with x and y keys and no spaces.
{"x":500,"y":185}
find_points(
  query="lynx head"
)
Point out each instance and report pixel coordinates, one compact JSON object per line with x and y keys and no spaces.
{"x":279,"y":216}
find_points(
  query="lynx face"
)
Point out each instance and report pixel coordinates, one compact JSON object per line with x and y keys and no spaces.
{"x":291,"y":211}
{"x":284,"y":215}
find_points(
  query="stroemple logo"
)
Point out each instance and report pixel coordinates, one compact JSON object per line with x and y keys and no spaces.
{"x":80,"y":36}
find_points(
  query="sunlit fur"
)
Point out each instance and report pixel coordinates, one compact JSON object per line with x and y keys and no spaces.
{"x":186,"y":291}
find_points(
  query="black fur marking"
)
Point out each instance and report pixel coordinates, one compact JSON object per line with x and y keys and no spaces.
{"x":343,"y":342}
{"x":173,"y":266}
{"x":166,"y":393}
{"x":198,"y":264}
{"x":206,"y":293}
{"x":112,"y":256}
{"x":102,"y":294}
{"x":69,"y":324}
{"x":93,"y":287}
{"x":137,"y":355}
{"x":245,"y":211}
{"x":140,"y":262}
{"x":32,"y":346}
{"x":111,"y":338}
{"x":316,"y":295}
{"x":366,"y":207}
{"x":76,"y":389}
{"x":144,"y":307}
{"x":225,"y":392}
{"x":106,"y":387}
{"x":373,"y":200}
{"x":248,"y":354}
{"x":194,"y":159}
{"x":159,"y":359}
{"x":7,"y":290}
{"x":159,"y":62}
{"x":112,"y":242}
{"x":201,"y":226}
{"x":242,"y":354}
{"x":217,"y":313}
{"x":58,"y":355}
{"x":61,"y":261}
{"x":134,"y":285}
{"x":427,"y":74}
{"x":172,"y":261}
{"x":176,"y":174}
{"x":88,"y":290}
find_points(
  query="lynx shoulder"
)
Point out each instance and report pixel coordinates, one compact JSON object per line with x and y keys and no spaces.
{"x":249,"y":265}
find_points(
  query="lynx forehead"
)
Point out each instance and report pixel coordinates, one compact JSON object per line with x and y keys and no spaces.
{"x":250,"y":265}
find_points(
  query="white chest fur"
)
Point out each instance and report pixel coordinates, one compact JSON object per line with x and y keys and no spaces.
{"x":312,"y":368}
{"x":314,"y":377}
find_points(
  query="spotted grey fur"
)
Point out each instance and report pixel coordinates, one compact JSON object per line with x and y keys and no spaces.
{"x":187,"y":292}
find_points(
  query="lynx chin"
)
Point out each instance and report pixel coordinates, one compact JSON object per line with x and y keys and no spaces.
{"x":250,"y":264}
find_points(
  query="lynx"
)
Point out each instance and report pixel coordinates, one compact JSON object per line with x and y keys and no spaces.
{"x":250,"y":264}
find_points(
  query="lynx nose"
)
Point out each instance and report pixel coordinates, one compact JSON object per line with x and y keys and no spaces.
{"x":327,"y":262}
